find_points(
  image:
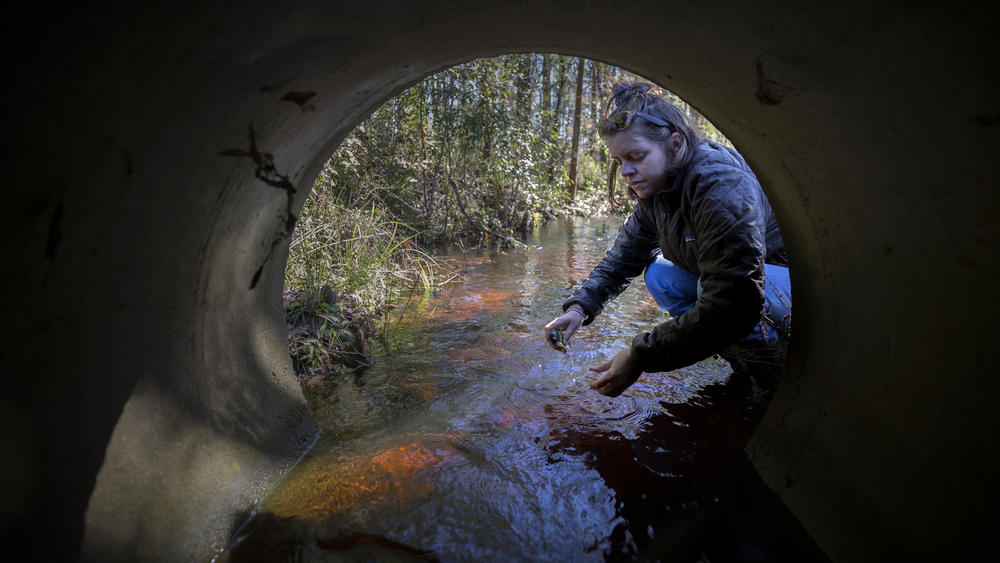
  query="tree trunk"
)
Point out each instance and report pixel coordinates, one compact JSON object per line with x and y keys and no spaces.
{"x":546,"y":85}
{"x":560,"y":88}
{"x":424,"y":180}
{"x":555,"y":121}
{"x":596,"y":94}
{"x":575,"y":151}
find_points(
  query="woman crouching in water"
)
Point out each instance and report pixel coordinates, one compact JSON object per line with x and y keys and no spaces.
{"x":704,"y":234}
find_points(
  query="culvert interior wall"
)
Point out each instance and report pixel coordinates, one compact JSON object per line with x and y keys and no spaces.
{"x":154,"y":163}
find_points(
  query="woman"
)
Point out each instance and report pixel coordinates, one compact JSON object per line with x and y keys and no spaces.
{"x":723,"y":273}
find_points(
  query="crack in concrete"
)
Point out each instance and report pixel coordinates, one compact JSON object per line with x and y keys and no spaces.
{"x":268,"y":173}
{"x":769,"y":92}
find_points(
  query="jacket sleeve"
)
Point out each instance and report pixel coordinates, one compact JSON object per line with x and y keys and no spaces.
{"x":730,"y":229}
{"x":627,"y":258}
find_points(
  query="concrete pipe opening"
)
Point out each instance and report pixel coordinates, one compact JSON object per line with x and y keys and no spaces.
{"x":156,"y":161}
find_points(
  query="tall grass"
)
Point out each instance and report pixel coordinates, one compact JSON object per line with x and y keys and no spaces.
{"x":363,"y":252}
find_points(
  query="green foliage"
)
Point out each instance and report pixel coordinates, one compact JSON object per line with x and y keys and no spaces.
{"x":364,"y":252}
{"x":323,"y":337}
{"x":498,"y":131}
{"x":480,"y":148}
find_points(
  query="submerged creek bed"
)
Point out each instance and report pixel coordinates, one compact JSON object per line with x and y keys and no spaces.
{"x":469,"y":439}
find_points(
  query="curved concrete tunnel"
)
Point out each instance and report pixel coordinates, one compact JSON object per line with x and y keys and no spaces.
{"x":155,"y":159}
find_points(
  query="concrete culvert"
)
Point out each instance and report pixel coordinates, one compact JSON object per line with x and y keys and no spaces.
{"x":155,"y":159}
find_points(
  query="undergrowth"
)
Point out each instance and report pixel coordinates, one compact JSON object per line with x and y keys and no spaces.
{"x":371,"y":258}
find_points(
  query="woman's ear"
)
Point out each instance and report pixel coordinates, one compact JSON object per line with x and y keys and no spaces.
{"x":678,"y":144}
{"x":676,"y":141}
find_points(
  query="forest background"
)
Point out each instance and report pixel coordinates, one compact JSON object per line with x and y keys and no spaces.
{"x":477,"y":154}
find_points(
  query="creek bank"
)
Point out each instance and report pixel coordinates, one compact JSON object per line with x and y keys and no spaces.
{"x":327,"y":335}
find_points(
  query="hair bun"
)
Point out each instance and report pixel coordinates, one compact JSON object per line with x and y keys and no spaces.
{"x":623,"y":91}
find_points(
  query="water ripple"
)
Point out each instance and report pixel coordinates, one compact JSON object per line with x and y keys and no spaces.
{"x":468,"y":436}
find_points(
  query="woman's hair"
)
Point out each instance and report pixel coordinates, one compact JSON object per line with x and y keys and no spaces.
{"x":642,"y":97}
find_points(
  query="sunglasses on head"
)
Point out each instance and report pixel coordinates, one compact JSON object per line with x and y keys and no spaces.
{"x":622,"y":120}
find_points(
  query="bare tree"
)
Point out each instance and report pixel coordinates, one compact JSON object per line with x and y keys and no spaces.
{"x":575,"y":150}
{"x":555,"y":123}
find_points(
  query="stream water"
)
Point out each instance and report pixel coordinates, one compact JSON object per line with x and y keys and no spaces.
{"x":469,"y":439}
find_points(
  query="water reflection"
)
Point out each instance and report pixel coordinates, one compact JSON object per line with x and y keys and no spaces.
{"x":470,"y":439}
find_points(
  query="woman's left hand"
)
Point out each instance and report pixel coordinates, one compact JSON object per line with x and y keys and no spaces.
{"x":619,"y":373}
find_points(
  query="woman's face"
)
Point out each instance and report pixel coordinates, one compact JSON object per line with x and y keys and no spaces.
{"x":645,"y":164}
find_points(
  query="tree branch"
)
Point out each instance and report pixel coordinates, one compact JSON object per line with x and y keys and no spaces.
{"x":475,"y":225}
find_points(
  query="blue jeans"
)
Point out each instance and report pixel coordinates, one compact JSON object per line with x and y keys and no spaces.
{"x":676,"y":290}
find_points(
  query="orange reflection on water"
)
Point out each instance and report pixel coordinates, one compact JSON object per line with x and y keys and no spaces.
{"x":476,"y":354}
{"x":507,"y":416}
{"x":476,"y":302}
{"x":394,"y":475}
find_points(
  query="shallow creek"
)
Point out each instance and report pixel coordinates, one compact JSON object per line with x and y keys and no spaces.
{"x":469,"y":439}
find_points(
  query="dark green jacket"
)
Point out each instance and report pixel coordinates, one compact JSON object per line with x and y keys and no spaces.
{"x":716,"y":223}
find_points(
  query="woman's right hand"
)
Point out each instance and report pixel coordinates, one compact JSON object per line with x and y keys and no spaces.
{"x":567,"y":323}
